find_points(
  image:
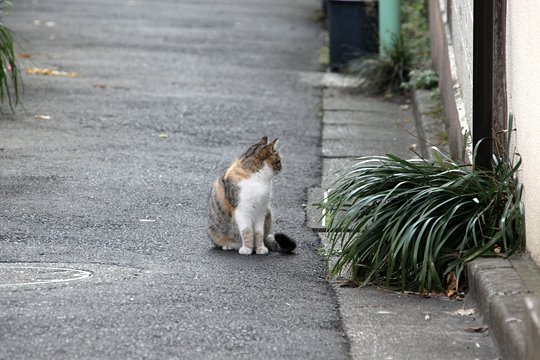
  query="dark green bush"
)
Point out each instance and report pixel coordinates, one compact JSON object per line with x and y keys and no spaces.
{"x":408,"y":224}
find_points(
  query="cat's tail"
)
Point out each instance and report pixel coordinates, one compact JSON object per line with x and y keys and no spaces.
{"x":280,"y":242}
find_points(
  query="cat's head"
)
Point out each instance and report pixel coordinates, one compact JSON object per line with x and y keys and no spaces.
{"x":264,"y":152}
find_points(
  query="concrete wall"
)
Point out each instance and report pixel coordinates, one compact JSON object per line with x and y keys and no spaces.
{"x":461,"y":25}
{"x":444,"y":61}
{"x":523,"y":79}
{"x":451,"y":46}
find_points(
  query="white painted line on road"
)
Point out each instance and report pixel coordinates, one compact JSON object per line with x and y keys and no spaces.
{"x":68,"y":273}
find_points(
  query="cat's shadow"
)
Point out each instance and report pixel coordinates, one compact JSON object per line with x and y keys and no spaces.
{"x":219,"y":253}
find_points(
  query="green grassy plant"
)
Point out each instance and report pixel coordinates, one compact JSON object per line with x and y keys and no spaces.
{"x":408,"y":224}
{"x":422,"y":79}
{"x":409,"y":51}
{"x":385,"y":73}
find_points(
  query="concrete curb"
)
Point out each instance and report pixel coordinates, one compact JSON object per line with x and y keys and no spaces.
{"x":507,"y":295}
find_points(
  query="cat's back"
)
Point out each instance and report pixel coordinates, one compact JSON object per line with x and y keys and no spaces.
{"x":225,"y":189}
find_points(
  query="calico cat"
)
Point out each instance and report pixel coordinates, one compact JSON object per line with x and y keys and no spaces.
{"x":239,"y":215}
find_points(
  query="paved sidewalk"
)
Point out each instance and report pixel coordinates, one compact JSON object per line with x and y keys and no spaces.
{"x":390,"y":325}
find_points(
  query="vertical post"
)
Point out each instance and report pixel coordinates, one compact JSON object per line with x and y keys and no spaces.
{"x":500,"y":106}
{"x":389,"y":23}
{"x":482,"y":131}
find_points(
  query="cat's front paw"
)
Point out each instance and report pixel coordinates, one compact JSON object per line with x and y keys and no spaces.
{"x":262,"y":250}
{"x":245,"y":251}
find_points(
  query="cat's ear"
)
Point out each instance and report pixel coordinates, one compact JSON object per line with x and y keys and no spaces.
{"x":274,"y":144}
{"x":264,"y":140}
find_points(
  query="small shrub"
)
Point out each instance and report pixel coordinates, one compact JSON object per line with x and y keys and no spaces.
{"x":412,"y":224}
{"x":422,"y":79}
{"x":385,"y":73}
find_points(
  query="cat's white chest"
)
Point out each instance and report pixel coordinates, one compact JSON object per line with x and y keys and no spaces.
{"x":255,"y":193}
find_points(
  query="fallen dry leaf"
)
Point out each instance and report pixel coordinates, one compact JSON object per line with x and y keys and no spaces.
{"x":477,"y":329}
{"x":42,"y":117}
{"x":100,"y":86}
{"x":346,"y":283}
{"x":50,"y":72}
{"x":451,"y":289}
{"x":423,"y":294}
{"x":24,"y":56}
{"x":465,"y":312}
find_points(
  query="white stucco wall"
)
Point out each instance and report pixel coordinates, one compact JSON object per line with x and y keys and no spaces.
{"x":462,"y":39}
{"x":523,"y":76}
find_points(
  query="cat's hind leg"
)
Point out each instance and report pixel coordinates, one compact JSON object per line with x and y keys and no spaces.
{"x":222,"y":241}
{"x":268,"y":238}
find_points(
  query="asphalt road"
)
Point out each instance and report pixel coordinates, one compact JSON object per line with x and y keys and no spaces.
{"x":107,"y":174}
